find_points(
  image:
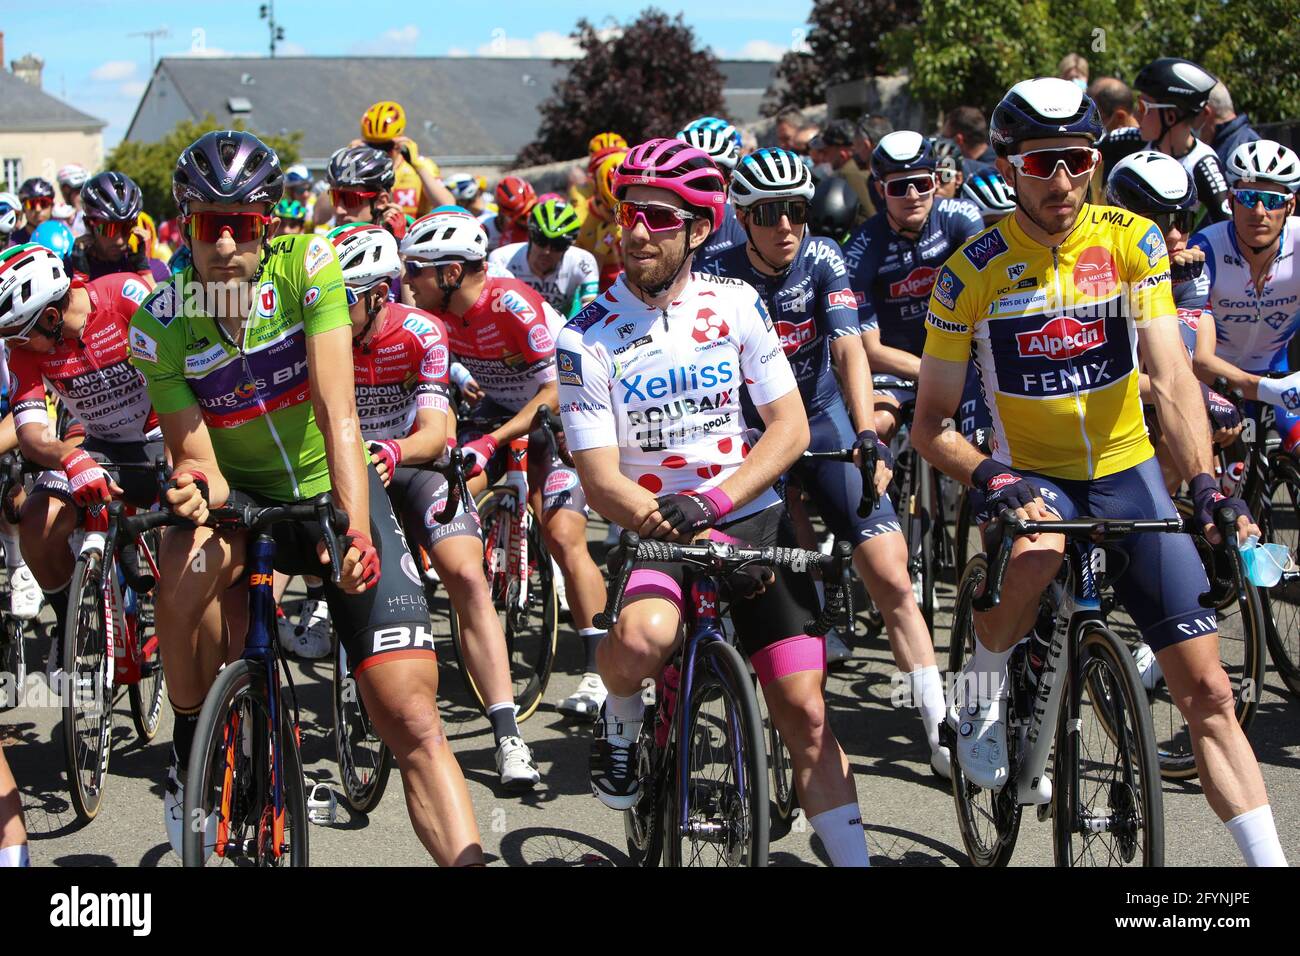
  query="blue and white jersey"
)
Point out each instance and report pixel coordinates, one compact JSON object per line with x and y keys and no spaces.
{"x":729,"y":235}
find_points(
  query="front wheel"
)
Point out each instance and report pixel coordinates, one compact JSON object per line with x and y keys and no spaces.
{"x":643,"y":823}
{"x":87,"y":687}
{"x":364,"y":760}
{"x":13,"y":660}
{"x":1280,"y":522}
{"x":148,"y":693}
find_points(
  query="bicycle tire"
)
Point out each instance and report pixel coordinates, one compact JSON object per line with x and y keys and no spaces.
{"x":1280,"y":523}
{"x":929,"y":568}
{"x":219,"y":735}
{"x":1105,"y":670}
{"x":364,"y":761}
{"x":85,"y":638}
{"x":972,"y":802}
{"x":13,"y":658}
{"x":785,"y":797}
{"x":149,"y":692}
{"x":963,"y":546}
{"x":720,"y":670}
{"x":532,"y":655}
{"x":643,"y":823}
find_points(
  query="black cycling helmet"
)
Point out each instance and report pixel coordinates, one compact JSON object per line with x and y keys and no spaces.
{"x":227,"y":166}
{"x":113,"y":197}
{"x":1149,"y":183}
{"x":902,"y":151}
{"x":1041,"y":109}
{"x":35,"y":188}
{"x":1176,"y":82}
{"x":834,"y":208}
{"x":361,"y":167}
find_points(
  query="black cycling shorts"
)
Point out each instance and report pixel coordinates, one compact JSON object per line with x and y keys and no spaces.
{"x":139,"y":486}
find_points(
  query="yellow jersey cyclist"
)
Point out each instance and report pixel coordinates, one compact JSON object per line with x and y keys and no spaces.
{"x":417,"y":184}
{"x":564,"y":275}
{"x":1054,"y":303}
{"x":248,"y":360}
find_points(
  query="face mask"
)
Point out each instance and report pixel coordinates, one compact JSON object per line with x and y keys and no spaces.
{"x":1081,"y":83}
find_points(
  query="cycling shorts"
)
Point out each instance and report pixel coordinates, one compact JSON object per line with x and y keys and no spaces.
{"x":546,"y":470}
{"x":139,"y":486}
{"x":418,"y":495}
{"x":1164,"y":578}
{"x":389,"y":622}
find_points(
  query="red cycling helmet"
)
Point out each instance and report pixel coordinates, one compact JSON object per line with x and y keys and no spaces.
{"x":683,"y":170}
{"x":515,"y":197}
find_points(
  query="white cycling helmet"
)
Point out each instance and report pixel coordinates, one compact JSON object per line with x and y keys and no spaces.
{"x":9,"y":206}
{"x":991,"y":192}
{"x":718,"y":142}
{"x":31,"y":278}
{"x":1264,"y":160}
{"x":367,"y":254}
{"x":463,"y":186}
{"x":443,"y":237}
{"x":72,"y":175}
{"x":771,"y":173}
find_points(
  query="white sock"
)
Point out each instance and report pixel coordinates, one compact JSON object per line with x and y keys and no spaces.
{"x":628,"y":711}
{"x":927,"y":696}
{"x":14,"y":856}
{"x":13,"y":551}
{"x":1256,"y":837}
{"x":840,"y":830}
{"x":990,"y":671}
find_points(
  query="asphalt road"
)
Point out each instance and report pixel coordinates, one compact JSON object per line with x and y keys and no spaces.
{"x":908,"y":813}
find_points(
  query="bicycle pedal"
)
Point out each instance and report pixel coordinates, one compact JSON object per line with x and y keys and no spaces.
{"x":322,"y":810}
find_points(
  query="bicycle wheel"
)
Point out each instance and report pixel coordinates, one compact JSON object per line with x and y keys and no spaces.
{"x":231,"y":778}
{"x":1108,"y":809}
{"x":87,"y":687}
{"x":643,"y":823}
{"x":1280,"y":521}
{"x":989,"y":821}
{"x":785,"y":799}
{"x":967,"y":535}
{"x":364,"y":760}
{"x":531,"y":629}
{"x":725,"y":820}
{"x":148,"y":693}
{"x":13,"y":660}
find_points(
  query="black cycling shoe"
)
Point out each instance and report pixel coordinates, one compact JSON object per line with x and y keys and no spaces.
{"x":613,"y":767}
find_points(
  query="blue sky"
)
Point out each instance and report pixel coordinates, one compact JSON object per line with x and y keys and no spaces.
{"x":92,"y":63}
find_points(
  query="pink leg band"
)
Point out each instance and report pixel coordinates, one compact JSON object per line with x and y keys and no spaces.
{"x":790,"y":656}
{"x":647,"y":582}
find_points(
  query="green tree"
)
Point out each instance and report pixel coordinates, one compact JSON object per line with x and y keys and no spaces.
{"x":1252,"y":46}
{"x":646,"y":79}
{"x":151,"y":164}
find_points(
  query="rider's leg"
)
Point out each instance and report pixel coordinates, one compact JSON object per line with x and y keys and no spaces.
{"x":886,"y":415}
{"x":47,"y":519}
{"x":564,"y":530}
{"x":13,"y":835}
{"x":401,"y":699}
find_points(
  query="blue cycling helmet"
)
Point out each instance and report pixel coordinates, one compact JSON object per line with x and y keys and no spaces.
{"x":901,"y":151}
{"x":717,"y":124}
{"x":179,"y":260}
{"x":55,"y":236}
{"x":1042,"y":109}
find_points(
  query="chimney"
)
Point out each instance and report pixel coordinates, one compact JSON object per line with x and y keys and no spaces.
{"x":28,"y":69}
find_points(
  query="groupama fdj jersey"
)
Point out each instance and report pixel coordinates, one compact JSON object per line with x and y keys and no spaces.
{"x":255,"y":396}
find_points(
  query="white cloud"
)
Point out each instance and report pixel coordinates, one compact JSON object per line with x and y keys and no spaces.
{"x":113,"y":71}
{"x":133,"y":89}
{"x":289,"y":48}
{"x":399,"y":41}
{"x":547,"y":44}
{"x":762,"y":50}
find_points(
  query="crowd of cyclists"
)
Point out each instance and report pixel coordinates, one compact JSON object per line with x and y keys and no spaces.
{"x":1066,"y":277}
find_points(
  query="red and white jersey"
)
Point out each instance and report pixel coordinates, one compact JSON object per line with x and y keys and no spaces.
{"x":505,"y":342}
{"x":92,"y":375}
{"x":401,"y":370}
{"x":664,"y":386}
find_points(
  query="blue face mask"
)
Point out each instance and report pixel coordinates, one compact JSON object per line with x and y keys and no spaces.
{"x":1081,"y":83}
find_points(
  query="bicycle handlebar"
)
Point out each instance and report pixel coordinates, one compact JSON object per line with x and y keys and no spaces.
{"x":867,"y":469}
{"x":457,"y":489}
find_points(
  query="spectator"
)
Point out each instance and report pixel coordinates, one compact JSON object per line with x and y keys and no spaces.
{"x":748,"y":142}
{"x":857,"y":171}
{"x":968,"y":127}
{"x":1114,"y":102}
{"x":1221,"y":127}
{"x":1073,"y":68}
{"x":833,"y":146}
{"x":788,"y":123}
{"x":803,"y":138}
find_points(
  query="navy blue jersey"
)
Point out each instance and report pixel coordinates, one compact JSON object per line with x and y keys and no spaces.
{"x":729,"y":235}
{"x":810,"y":303}
{"x":891,"y":276}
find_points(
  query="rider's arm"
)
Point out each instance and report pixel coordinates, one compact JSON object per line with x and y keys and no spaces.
{"x":1176,"y":395}
{"x":334,"y":400}
{"x":189,"y":447}
{"x":887,"y":359}
{"x":432,"y":403}
{"x":785,"y":437}
{"x":37,"y":437}
{"x":427,"y":441}
{"x":40,"y":444}
{"x":615,"y":497}
{"x":855,"y":379}
{"x":1210,"y":366}
{"x":538,"y":349}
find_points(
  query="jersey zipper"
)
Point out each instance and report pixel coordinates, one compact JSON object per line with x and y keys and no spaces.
{"x":1069,"y":360}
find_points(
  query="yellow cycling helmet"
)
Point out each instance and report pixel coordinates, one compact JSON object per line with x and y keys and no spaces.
{"x":383,"y":122}
{"x":605,"y":143}
{"x":604,"y":177}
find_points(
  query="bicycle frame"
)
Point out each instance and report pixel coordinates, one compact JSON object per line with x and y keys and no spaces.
{"x":128,"y":654}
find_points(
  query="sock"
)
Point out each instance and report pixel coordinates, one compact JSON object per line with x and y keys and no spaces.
{"x":183,"y":727}
{"x":927,"y":697}
{"x":1256,"y":837}
{"x":841,"y":833}
{"x":627,"y":710}
{"x":989,"y":668}
{"x":14,"y":856}
{"x":590,"y":641}
{"x":13,"y":551}
{"x":59,"y":601}
{"x":502,"y":718}
{"x":316,"y":592}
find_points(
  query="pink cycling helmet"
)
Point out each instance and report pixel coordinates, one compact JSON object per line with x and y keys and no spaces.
{"x":671,"y":164}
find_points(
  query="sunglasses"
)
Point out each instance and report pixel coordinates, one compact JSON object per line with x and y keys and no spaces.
{"x":112,"y":230}
{"x":1181,"y":220}
{"x":657,"y":216}
{"x":1041,"y":163}
{"x":897,"y":188}
{"x":415,"y":267}
{"x":37,"y":329}
{"x":1250,"y":198}
{"x":562,"y":244}
{"x":40,"y":202}
{"x":1145,"y":107}
{"x":352,"y":198}
{"x":242,"y":226}
{"x":770,"y":213}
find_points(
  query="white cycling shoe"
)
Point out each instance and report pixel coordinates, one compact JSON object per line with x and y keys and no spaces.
{"x":310,"y":640}
{"x":1148,"y":667}
{"x":586,"y":701}
{"x":941,"y":762}
{"x":174,"y":811}
{"x":981,"y":727}
{"x":515,"y":764}
{"x":25,"y":595}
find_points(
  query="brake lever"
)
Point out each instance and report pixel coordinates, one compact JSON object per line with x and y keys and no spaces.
{"x":325,"y":517}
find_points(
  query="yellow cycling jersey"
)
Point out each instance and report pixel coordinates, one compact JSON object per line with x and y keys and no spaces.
{"x":1053,"y":335}
{"x":408,"y":189}
{"x":601,"y":237}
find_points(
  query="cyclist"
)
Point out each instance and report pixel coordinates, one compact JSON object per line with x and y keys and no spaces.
{"x":804,"y":284}
{"x":834,"y":209}
{"x":70,"y":179}
{"x":361,"y":182}
{"x":11,"y":214}
{"x":498,"y":330}
{"x":564,"y":275}
{"x":600,"y":234}
{"x":893,"y":259}
{"x":948,"y":178}
{"x":417,"y":186}
{"x":509,"y":224}
{"x":400,"y":360}
{"x":721,"y":141}
{"x":114,"y":240}
{"x":37,"y":197}
{"x":293,"y":217}
{"x":583,"y":187}
{"x":55,"y":236}
{"x":24,"y":593}
{"x":991,"y":195}
{"x":1057,"y":358}
{"x":72,"y":336}
{"x":248,"y":362}
{"x":674,"y":386}
{"x":465,"y":193}
{"x":1251,"y":283}
{"x":298,"y":188}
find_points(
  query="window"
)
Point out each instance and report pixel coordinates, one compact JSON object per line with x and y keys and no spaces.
{"x":12,"y":173}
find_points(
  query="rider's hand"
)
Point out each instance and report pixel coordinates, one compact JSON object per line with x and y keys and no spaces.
{"x":188,"y":496}
{"x":482,"y":448}
{"x":1208,"y":501}
{"x":392,"y":218}
{"x":750,"y":582}
{"x":1283,"y":392}
{"x":884,"y":459}
{"x":649,"y":523}
{"x":388,"y":455}
{"x":562,"y":447}
{"x":688,"y":512}
{"x":360,"y":562}
{"x":473,"y":392}
{"x":1186,"y":264}
{"x":1006,"y":488}
{"x":1225,"y":417}
{"x":89,"y":483}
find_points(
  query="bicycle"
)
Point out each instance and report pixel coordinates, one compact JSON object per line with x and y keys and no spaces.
{"x":13,"y":651}
{"x":1088,"y":678}
{"x":245,"y":768}
{"x":678,"y":802}
{"x":520,"y":575}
